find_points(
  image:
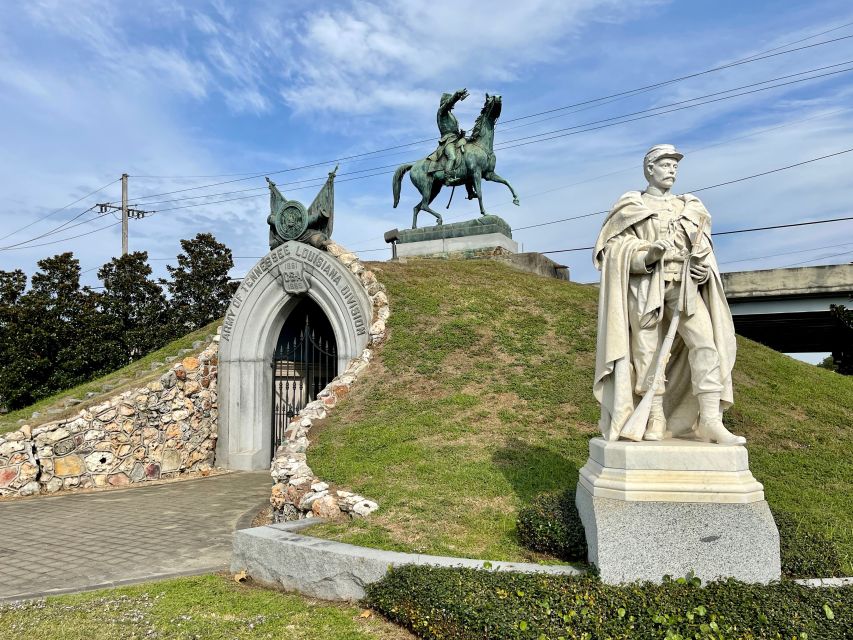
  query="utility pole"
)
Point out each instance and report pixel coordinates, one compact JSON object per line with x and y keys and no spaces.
{"x":126,"y":213}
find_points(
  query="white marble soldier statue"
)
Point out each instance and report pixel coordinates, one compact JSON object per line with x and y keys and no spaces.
{"x":653,"y":256}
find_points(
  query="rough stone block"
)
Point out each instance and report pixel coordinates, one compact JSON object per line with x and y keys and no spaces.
{"x":646,"y":540}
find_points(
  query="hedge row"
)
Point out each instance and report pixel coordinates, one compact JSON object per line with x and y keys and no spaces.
{"x":466,"y":603}
{"x":551,"y":524}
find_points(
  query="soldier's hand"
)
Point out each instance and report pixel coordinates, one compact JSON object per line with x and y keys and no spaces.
{"x":462,"y":93}
{"x":699,"y":272}
{"x":656,"y":251}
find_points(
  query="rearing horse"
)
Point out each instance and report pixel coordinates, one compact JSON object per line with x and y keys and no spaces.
{"x":478,"y":164}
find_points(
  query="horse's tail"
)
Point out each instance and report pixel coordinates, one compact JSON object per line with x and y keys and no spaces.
{"x":398,"y":179}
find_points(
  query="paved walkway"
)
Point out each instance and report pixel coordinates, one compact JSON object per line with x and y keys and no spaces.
{"x":76,"y":542}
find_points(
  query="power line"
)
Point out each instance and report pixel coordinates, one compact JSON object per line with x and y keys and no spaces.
{"x":632,"y":167}
{"x":609,"y":122}
{"x":832,"y":255}
{"x":573,"y":130}
{"x":70,"y":204}
{"x":713,"y":186}
{"x":44,"y":244}
{"x":317,"y":179}
{"x":725,"y":233}
{"x":248,"y":176}
{"x":64,"y":227}
{"x":787,"y":253}
{"x":632,"y":92}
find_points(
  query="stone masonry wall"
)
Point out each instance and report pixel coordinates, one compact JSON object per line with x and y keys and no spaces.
{"x":158,"y":431}
{"x":298,"y":493}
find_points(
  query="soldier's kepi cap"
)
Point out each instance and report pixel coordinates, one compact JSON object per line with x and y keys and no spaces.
{"x":662,"y":151}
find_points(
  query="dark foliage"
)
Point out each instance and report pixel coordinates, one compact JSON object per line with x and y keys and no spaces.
{"x":134,"y":307}
{"x":805,"y":552}
{"x":199,"y":289}
{"x":56,"y":335}
{"x":551,"y":524}
{"x":843,"y":354}
{"x":55,"y":330}
{"x":465,"y":603}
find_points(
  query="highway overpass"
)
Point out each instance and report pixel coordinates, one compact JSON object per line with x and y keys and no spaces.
{"x":788,"y":309}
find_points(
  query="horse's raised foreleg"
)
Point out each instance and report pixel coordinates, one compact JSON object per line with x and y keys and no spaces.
{"x":424,"y":206}
{"x":493,"y":177}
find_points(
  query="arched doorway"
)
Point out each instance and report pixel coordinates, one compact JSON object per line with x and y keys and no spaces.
{"x":304,"y":361}
{"x":264,"y":301}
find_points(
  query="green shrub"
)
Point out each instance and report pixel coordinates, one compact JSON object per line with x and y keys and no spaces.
{"x":466,"y":603}
{"x":551,"y":524}
{"x":805,"y":552}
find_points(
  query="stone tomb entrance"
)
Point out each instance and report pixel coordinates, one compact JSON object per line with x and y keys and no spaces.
{"x":303,"y":363}
{"x":291,"y":284}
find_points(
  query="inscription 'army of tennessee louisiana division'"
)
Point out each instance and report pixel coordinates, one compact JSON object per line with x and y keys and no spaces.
{"x":320,"y":263}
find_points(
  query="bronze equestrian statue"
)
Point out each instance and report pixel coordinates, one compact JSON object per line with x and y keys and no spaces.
{"x":458,"y":160}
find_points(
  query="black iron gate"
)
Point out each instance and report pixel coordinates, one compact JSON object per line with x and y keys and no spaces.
{"x":302,"y":366}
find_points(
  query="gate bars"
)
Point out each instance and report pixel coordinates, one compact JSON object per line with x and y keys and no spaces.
{"x":302,"y":367}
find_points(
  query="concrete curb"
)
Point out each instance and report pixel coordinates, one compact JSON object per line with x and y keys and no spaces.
{"x":330,"y":570}
{"x":826,"y":582}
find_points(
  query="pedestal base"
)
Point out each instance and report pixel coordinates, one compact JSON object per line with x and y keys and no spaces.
{"x":651,"y":509}
{"x":482,"y":237}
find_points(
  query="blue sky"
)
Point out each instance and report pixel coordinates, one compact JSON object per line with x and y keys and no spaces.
{"x":91,"y":89}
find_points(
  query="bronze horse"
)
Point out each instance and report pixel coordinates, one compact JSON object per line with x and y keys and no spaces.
{"x":478,"y":164}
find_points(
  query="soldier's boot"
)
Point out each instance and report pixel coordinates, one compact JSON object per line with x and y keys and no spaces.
{"x":656,"y":426}
{"x":450,"y":165}
{"x":711,"y":428}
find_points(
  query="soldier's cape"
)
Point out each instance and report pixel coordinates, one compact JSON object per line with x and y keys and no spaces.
{"x":631,"y":227}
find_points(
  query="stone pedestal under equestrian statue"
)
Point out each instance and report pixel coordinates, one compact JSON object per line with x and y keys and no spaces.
{"x":670,"y":507}
{"x":482,"y":237}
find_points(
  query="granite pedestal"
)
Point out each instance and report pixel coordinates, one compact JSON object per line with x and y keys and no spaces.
{"x":651,"y":509}
{"x":482,"y":237}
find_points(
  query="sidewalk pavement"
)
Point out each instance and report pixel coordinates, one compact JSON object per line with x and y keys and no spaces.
{"x":77,"y":542}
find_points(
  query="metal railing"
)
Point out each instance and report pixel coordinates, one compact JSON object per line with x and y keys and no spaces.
{"x":302,"y":366}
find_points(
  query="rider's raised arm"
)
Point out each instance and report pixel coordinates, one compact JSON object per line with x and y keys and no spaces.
{"x":461,"y":94}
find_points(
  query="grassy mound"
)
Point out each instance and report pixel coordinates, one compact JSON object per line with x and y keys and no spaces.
{"x":481,"y":400}
{"x":135,"y":374}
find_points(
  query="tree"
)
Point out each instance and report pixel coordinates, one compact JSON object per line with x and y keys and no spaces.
{"x":12,"y":285}
{"x":55,"y":335}
{"x":199,"y":288}
{"x":133,"y":305}
{"x":843,"y":353}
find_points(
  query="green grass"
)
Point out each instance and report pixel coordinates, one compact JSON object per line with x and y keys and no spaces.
{"x":209,"y":607}
{"x":481,"y":399}
{"x":133,"y":375}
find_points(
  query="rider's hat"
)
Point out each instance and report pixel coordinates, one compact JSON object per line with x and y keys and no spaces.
{"x":662,"y":151}
{"x":445,"y":98}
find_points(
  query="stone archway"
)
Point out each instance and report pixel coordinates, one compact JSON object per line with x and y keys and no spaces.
{"x":253,"y":322}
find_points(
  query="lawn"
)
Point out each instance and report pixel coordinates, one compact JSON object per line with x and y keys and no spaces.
{"x":481,"y":399}
{"x":208,"y":607}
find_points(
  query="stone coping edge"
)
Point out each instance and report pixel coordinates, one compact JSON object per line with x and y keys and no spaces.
{"x":277,"y":555}
{"x":330,"y":570}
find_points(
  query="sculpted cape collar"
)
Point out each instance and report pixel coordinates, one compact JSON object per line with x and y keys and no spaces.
{"x":630,"y":209}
